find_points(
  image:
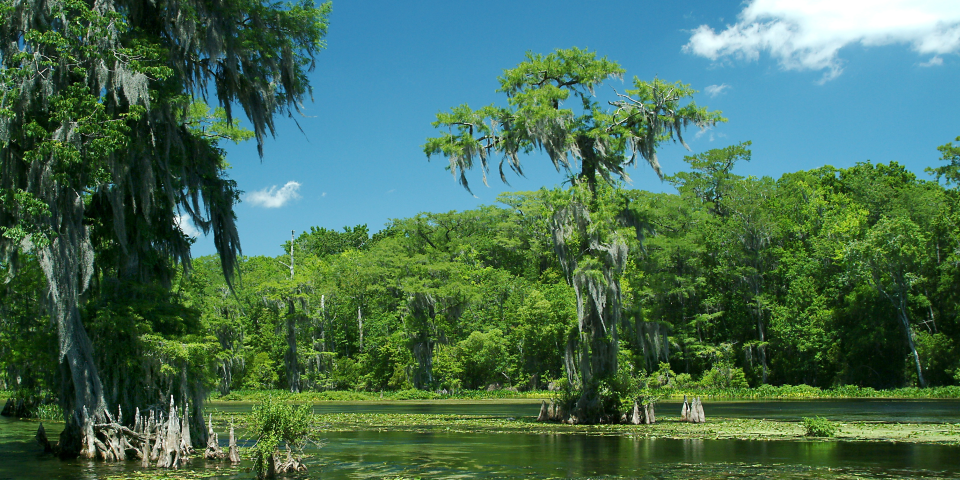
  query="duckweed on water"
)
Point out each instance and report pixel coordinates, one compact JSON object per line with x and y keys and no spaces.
{"x":176,"y":474}
{"x":666,"y":427}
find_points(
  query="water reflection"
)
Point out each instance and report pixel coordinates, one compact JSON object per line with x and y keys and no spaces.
{"x":371,"y":454}
{"x":439,"y":454}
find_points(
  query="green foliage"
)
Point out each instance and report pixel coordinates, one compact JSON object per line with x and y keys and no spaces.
{"x":47,"y":411}
{"x":818,"y":427}
{"x":951,"y":172}
{"x":321,"y":242}
{"x":723,"y":375}
{"x":483,"y":356}
{"x":274,"y":423}
{"x":538,"y":118}
{"x":262,"y":373}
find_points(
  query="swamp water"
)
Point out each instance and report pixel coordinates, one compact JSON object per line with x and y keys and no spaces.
{"x":439,"y":454}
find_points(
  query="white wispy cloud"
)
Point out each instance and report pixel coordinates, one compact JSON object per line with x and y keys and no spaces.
{"x":186,"y":226}
{"x":714,"y":90}
{"x":710,"y":133}
{"x":273,"y":197}
{"x":807,"y":35}
{"x":936,"y":61}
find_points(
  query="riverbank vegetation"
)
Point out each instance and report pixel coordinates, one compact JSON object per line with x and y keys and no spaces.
{"x":743,"y":288}
{"x":827,"y":279}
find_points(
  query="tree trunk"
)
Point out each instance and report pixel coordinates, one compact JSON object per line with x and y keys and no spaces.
{"x":360,"y":327}
{"x":598,"y":346}
{"x":910,"y":342}
{"x":290,"y":359}
{"x":763,"y":348}
{"x":67,"y":264}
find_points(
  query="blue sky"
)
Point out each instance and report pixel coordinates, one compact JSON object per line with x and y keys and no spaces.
{"x":810,"y":83}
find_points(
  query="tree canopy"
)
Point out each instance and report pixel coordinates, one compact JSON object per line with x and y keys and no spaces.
{"x":102,"y":146}
{"x":593,"y":144}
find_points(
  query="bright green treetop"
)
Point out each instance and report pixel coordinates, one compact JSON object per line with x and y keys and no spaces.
{"x":552,"y":107}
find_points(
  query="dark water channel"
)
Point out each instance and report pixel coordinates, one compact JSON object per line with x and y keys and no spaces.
{"x":370,"y":454}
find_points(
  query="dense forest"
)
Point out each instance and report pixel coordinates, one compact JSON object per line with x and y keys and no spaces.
{"x":824,"y":277}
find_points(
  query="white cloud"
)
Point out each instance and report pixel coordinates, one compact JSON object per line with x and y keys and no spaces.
{"x":186,"y":226}
{"x":324,"y":194}
{"x":714,"y":90}
{"x":273,"y":197}
{"x":710,"y":133}
{"x":936,"y":61}
{"x":807,"y":35}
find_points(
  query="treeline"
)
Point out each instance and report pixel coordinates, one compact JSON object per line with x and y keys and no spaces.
{"x":825,"y":277}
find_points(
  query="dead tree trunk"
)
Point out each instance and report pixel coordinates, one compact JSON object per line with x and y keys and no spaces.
{"x":213,"y":451}
{"x":170,"y":454}
{"x":234,"y":451}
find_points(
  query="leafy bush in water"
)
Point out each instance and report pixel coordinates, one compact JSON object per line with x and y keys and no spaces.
{"x":819,"y":427}
{"x":275,"y":422}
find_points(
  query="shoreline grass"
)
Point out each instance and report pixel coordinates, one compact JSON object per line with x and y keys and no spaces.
{"x":764,"y":392}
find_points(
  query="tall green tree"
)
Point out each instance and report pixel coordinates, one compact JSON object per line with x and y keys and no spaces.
{"x":97,"y":147}
{"x":594,"y":144}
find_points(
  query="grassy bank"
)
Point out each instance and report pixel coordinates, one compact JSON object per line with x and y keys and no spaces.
{"x":808,"y":392}
{"x":762,"y":392}
{"x":355,"y":396}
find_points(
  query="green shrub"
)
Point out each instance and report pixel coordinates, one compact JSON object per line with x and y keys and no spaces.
{"x":724,"y":375}
{"x":414,"y":394}
{"x":273,"y":423}
{"x":818,"y":427}
{"x":230,"y":397}
{"x":662,"y":378}
{"x":685,"y":380}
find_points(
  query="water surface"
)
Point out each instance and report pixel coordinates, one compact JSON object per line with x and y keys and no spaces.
{"x":441,"y":454}
{"x":868,"y":410}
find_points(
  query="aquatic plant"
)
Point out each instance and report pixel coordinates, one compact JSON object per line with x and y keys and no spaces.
{"x":274,"y":422}
{"x":818,"y":427}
